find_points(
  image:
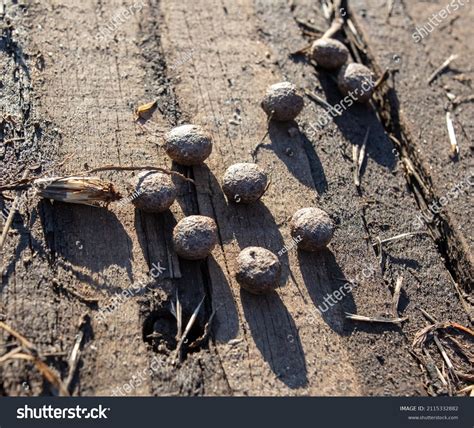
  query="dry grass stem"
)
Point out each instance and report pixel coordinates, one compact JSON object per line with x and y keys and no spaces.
{"x":402,"y":235}
{"x":396,"y":296}
{"x":308,"y":26}
{"x":319,"y":100}
{"x":336,"y":26}
{"x":75,"y":355}
{"x":358,"y":157}
{"x":11,"y":214}
{"x":138,"y":168}
{"x":452,"y":135}
{"x":363,"y":318}
{"x":31,"y":354}
{"x":207,"y":330}
{"x":422,"y":335}
{"x":188,"y":328}
{"x":22,"y":339}
{"x":441,"y":68}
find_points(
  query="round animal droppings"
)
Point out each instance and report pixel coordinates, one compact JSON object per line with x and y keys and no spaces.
{"x":329,"y":53}
{"x":154,"y":191}
{"x":258,"y":270}
{"x":188,"y":144}
{"x":194,"y":237}
{"x":244,"y":183}
{"x":312,"y":227}
{"x":282,"y":101}
{"x":356,"y":80}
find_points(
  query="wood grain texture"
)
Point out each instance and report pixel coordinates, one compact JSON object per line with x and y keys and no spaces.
{"x":208,"y":63}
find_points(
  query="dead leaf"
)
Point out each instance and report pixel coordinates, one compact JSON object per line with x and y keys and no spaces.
{"x":144,"y":108}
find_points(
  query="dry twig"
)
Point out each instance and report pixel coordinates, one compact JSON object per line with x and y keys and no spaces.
{"x":358,"y":157}
{"x":11,"y":214}
{"x":394,"y":238}
{"x":31,"y":354}
{"x":188,"y":328}
{"x":363,"y":318}
{"x":75,"y":354}
{"x":441,"y":68}
{"x":138,"y":168}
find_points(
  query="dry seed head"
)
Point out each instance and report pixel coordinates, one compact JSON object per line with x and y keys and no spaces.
{"x":194,"y":237}
{"x":77,"y":190}
{"x":258,"y":270}
{"x":282,"y":101}
{"x":312,"y":227}
{"x":329,"y":53}
{"x":244,"y":182}
{"x":188,"y":144}
{"x":155,"y":191}
{"x":358,"y":80}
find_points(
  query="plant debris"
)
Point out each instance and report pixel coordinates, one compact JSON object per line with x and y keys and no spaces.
{"x":441,"y":68}
{"x":358,"y":157}
{"x":452,"y":135}
{"x":384,"y":320}
{"x":142,"y":111}
{"x":27,"y":351}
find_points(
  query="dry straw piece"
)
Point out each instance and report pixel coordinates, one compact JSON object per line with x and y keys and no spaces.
{"x":282,"y":102}
{"x":77,"y":190}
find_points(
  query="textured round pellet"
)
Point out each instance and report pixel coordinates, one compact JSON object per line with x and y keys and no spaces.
{"x":258,"y":270}
{"x":312,"y":227}
{"x":188,"y":144}
{"x":329,"y":53}
{"x":154,"y":191}
{"x":244,"y":183}
{"x":282,"y":102}
{"x":356,"y":80}
{"x":194,"y":237}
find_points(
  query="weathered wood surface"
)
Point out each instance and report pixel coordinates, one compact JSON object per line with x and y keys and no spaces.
{"x":416,"y":39}
{"x":206,"y":62}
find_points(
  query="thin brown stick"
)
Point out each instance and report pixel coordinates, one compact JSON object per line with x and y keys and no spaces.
{"x":451,"y":369}
{"x":441,"y":68}
{"x":428,"y":316}
{"x":11,"y":214}
{"x":402,"y":235}
{"x":138,"y":168}
{"x":382,"y":79}
{"x":22,"y":339}
{"x":47,"y":373}
{"x":301,"y":51}
{"x":334,"y":28}
{"x":314,"y":97}
{"x":309,"y":27}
